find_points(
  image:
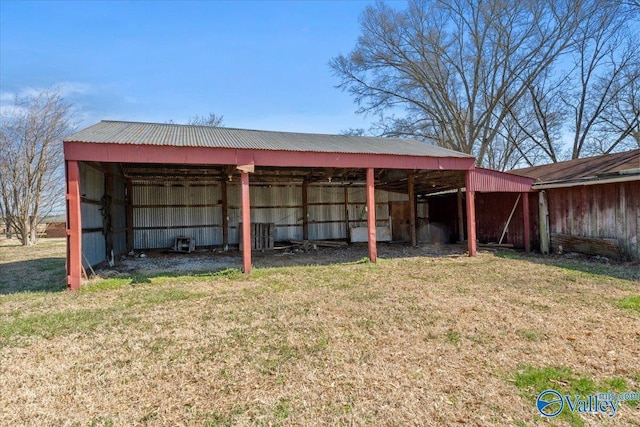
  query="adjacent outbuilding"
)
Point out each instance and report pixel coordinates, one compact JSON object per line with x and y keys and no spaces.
{"x":590,"y":205}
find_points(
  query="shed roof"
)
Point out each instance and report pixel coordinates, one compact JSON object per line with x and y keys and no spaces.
{"x":174,"y":135}
{"x":586,"y":169}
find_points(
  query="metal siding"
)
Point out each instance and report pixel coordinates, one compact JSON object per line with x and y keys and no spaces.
{"x":325,"y":194}
{"x":326,"y":231}
{"x":397,"y":197}
{"x":164,"y":238}
{"x":91,"y":182}
{"x":198,"y":221}
{"x":357,"y":194}
{"x":93,"y":248}
{"x":91,"y":215}
{"x":492,"y":212}
{"x":494,"y":181}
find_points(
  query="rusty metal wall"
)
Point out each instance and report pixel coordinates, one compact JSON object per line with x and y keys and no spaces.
{"x":599,"y":211}
{"x":492,"y":212}
{"x":488,"y":180}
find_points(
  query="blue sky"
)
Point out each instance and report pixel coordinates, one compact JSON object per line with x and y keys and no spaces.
{"x":262,"y":65}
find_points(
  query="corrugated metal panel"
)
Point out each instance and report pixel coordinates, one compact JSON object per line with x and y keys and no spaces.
{"x":91,"y":182}
{"x":93,"y":248}
{"x":91,"y":215}
{"x":120,"y":242}
{"x":276,"y":195}
{"x":164,"y":238}
{"x":587,"y":167}
{"x":327,"y":231}
{"x":325,"y":194}
{"x":397,"y":197}
{"x":492,"y":212}
{"x":488,"y":180}
{"x":357,"y":194}
{"x":326,"y":206}
{"x":116,"y":132}
{"x":196,"y":221}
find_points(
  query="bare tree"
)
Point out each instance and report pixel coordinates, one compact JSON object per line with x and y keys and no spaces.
{"x":593,"y":101}
{"x":453,"y":70}
{"x":31,"y":160}
{"x":607,"y":66}
{"x":211,"y":120}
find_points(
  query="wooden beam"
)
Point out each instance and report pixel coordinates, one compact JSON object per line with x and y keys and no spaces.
{"x":305,"y":211}
{"x":471,"y":216}
{"x":225,"y":215}
{"x":527,"y":222}
{"x":609,"y":248}
{"x":107,"y":217}
{"x":246,"y":223}
{"x":347,"y":230}
{"x":74,"y":227}
{"x":129,"y":214}
{"x":543,"y":218}
{"x":412,"y":208}
{"x":506,"y":225}
{"x":371,"y":214}
{"x":460,"y":217}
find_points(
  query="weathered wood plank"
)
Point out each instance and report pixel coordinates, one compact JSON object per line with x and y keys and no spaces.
{"x":609,"y":248}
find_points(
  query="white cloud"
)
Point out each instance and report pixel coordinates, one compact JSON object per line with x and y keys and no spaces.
{"x":6,"y":97}
{"x":66,"y":89}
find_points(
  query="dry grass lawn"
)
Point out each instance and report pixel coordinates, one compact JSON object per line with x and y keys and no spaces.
{"x":408,"y":341}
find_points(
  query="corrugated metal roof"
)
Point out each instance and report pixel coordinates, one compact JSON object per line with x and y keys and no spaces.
{"x":585,"y":168}
{"x":173,"y":135}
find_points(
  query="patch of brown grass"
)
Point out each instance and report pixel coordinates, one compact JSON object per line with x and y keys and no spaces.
{"x":418,"y":341}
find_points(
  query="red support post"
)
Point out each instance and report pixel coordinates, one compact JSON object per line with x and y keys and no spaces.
{"x":527,"y":226}
{"x":74,"y":227}
{"x":246,"y":223}
{"x":471,"y":215}
{"x":371,"y":215}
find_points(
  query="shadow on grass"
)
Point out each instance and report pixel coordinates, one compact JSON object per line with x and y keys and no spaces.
{"x":36,"y":275}
{"x":582,"y":264}
{"x":156,"y":278}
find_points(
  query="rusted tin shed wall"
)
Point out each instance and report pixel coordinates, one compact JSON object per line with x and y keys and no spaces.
{"x":492,"y":213}
{"x":599,"y":211}
{"x":488,"y":180}
{"x":92,"y":191}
